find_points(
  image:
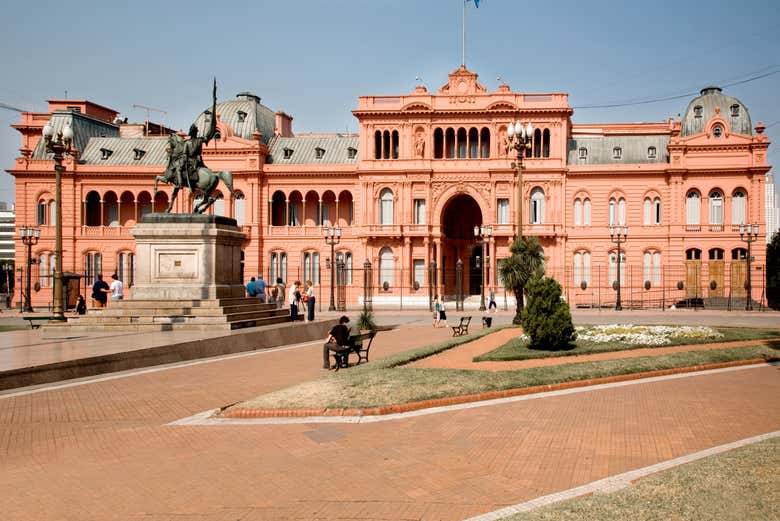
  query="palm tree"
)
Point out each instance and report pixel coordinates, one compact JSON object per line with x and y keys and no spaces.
{"x":526,"y":262}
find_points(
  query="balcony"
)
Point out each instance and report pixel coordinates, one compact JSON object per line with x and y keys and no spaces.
{"x":543,"y":230}
{"x":384,"y":230}
{"x":301,"y":231}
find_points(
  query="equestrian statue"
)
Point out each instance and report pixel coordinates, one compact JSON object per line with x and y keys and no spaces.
{"x":185,"y":168}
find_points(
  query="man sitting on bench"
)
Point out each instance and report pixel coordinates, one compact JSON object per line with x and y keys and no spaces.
{"x":338,"y":340}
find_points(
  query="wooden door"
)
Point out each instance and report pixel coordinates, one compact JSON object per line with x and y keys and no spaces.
{"x":717,"y":275}
{"x":738,"y":278}
{"x":693,"y":278}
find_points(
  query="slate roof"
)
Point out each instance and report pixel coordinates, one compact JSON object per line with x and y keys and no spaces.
{"x":634,"y":149}
{"x":84,"y":128}
{"x":304,"y":150}
{"x":123,"y":151}
{"x":710,"y":98}
{"x":257,"y":117}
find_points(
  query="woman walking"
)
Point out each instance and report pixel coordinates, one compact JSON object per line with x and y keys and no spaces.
{"x":442,"y":312}
{"x":310,"y":300}
{"x":436,"y":309}
{"x":295,"y":299}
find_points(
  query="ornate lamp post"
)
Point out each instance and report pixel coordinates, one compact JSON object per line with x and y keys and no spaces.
{"x":332,"y":236}
{"x":749,"y":234}
{"x":30,"y":237}
{"x":483,"y":234}
{"x":519,"y":141}
{"x":618,"y":235}
{"x":58,"y":144}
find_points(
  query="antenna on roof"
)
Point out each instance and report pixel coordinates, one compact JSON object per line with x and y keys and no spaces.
{"x":148,"y":110}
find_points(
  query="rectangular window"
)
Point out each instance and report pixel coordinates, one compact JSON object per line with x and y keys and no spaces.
{"x":419,"y":272}
{"x":419,"y":211}
{"x":503,"y":211}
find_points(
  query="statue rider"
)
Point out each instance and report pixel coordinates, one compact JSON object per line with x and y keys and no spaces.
{"x":193,"y":147}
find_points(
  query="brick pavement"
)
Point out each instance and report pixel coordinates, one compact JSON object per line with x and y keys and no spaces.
{"x":102,"y":450}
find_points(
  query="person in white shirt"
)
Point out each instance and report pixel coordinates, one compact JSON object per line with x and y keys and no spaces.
{"x":294,"y":297}
{"x":116,"y":288}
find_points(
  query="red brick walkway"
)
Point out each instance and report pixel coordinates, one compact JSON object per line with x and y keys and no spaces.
{"x":102,"y":451}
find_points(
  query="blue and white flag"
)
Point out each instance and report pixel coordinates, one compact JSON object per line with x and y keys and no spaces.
{"x":476,"y":3}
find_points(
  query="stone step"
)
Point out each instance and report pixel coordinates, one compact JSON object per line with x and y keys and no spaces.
{"x":77,"y":327}
{"x":208,"y":303}
{"x":180,"y":310}
{"x":97,"y":318}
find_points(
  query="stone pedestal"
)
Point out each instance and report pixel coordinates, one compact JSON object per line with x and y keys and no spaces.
{"x":187,"y":257}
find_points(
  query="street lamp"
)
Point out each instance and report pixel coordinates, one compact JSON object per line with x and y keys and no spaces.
{"x":30,"y":237}
{"x":332,"y":236}
{"x":520,"y":141}
{"x":618,"y":235}
{"x":58,"y":144}
{"x":749,"y":234}
{"x":483,"y":234}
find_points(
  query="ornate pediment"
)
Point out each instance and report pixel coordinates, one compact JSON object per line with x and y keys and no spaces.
{"x":462,"y":82}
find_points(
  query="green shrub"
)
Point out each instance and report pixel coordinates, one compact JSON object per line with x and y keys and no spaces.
{"x":546,"y":318}
{"x":366,"y":320}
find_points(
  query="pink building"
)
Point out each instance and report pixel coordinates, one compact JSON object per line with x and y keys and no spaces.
{"x":424,"y":169}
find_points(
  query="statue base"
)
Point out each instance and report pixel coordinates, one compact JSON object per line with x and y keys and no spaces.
{"x":187,"y":257}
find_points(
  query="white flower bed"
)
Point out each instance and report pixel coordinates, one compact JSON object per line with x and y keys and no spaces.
{"x":645,"y":335}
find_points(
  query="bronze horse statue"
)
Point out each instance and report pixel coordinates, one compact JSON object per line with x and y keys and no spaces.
{"x":185,"y":168}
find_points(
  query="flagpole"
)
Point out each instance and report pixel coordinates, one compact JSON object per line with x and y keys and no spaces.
{"x":463,"y":51}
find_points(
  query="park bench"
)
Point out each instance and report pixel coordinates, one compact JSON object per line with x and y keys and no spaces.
{"x":356,"y":344}
{"x":36,"y":322}
{"x":462,"y":328}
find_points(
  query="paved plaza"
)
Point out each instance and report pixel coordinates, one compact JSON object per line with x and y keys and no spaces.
{"x":103,"y":447}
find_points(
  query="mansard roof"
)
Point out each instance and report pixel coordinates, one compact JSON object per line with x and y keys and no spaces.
{"x":123,"y":151}
{"x":304,"y":149}
{"x":84,"y":128}
{"x":244,"y":116}
{"x":634,"y":149}
{"x":711,"y":102}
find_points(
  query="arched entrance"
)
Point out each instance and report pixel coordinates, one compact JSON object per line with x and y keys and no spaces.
{"x":460,"y":215}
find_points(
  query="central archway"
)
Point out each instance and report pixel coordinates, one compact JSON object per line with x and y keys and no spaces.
{"x":458,"y":218}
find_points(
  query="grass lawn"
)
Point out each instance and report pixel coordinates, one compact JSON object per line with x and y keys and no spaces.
{"x":518,"y":349}
{"x":387,"y":381}
{"x":740,"y":485}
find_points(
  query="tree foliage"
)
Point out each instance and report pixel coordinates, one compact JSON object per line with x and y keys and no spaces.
{"x":525,"y":263}
{"x":547,"y":319}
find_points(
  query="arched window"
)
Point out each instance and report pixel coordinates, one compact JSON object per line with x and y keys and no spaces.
{"x":311,"y":267}
{"x":125,"y":268}
{"x":239,"y":208}
{"x":386,"y":267}
{"x":693,"y":254}
{"x":449,"y":143}
{"x":395,"y":144}
{"x":692,"y":207}
{"x":92,"y":215}
{"x":473,"y":142}
{"x":344,"y":258}
{"x":278,"y":209}
{"x":586,"y":212}
{"x":739,"y":254}
{"x":386,"y":206}
{"x":485,"y":143}
{"x":716,"y":208}
{"x":41,"y":221}
{"x":546,"y":143}
{"x":537,"y":206}
{"x":581,"y":267}
{"x":462,"y":143}
{"x":613,"y":267}
{"x":738,"y":206}
{"x":93,"y":265}
{"x":652,"y":211}
{"x":438,"y":143}
{"x":111,"y":204}
{"x":219,"y":205}
{"x":386,"y":144}
{"x":537,"y":143}
{"x":378,"y":144}
{"x":651,"y":267}
{"x":277,"y":267}
{"x":577,"y":212}
{"x":53,"y":213}
{"x":617,"y":212}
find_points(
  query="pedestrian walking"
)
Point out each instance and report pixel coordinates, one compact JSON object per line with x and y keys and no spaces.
{"x":294,"y":297}
{"x":99,"y":292}
{"x":436,"y":311}
{"x":261,"y":288}
{"x":280,"y":292}
{"x":492,"y":302}
{"x":117,"y":288}
{"x":442,"y":312}
{"x":250,"y":288}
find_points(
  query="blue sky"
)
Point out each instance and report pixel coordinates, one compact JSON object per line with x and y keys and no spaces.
{"x":313,"y":59}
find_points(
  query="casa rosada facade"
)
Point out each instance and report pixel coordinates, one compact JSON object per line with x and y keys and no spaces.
{"x":408,"y":189}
